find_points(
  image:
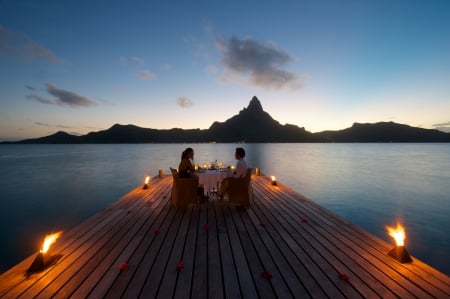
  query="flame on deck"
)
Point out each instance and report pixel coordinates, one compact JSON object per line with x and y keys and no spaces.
{"x":49,"y":240}
{"x":147,"y":179}
{"x":398,"y":233}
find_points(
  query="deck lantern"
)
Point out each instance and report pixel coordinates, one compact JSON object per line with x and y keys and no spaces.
{"x":257,"y":171}
{"x":273,"y":181}
{"x":399,"y":251}
{"x":44,"y":259}
{"x":147,"y":180}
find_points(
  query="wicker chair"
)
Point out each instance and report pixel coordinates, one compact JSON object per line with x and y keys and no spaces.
{"x":240,"y":190}
{"x":184,"y":190}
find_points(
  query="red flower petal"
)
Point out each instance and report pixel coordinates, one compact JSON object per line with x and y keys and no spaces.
{"x":263,"y":225}
{"x":206,"y":226}
{"x":304,"y":220}
{"x":266,"y":274}
{"x":157,"y":230}
{"x":344,"y":276}
{"x":180,"y":265}
{"x":123,"y":266}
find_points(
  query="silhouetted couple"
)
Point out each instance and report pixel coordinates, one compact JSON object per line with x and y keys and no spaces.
{"x":187,"y":170}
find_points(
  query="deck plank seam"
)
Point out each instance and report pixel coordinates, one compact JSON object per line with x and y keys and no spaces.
{"x":374,"y":267}
{"x":305,"y":250}
{"x":390,"y":265}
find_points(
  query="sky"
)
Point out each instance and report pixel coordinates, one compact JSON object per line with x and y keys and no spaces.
{"x":82,"y":66}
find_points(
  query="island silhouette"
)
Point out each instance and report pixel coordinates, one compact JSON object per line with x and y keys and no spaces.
{"x":250,"y":125}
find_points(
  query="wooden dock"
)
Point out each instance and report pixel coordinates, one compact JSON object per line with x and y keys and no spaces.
{"x":284,"y":246}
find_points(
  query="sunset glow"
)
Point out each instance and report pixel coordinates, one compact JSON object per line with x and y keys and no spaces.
{"x":80,"y":67}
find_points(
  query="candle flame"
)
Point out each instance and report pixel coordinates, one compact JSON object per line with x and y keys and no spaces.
{"x":147,"y":179}
{"x":397,"y":233}
{"x":273,"y":178}
{"x":49,"y":240}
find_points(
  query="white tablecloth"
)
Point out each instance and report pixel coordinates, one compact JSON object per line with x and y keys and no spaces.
{"x":210,"y":178}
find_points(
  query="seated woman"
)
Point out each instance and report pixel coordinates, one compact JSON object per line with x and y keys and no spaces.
{"x":241,"y":171}
{"x":187,"y":170}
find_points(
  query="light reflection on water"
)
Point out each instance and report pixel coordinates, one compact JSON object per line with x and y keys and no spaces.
{"x":52,"y":187}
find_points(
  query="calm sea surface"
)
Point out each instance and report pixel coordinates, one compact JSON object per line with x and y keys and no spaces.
{"x":45,"y":188}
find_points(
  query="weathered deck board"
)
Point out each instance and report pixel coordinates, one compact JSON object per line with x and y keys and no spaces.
{"x":225,"y":250}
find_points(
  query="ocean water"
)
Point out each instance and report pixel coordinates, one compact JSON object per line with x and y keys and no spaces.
{"x":46,"y":188}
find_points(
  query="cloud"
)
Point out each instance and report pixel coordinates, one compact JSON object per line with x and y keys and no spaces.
{"x":62,"y":98}
{"x":39,"y":99}
{"x":21,"y":47}
{"x":166,"y":67}
{"x":68,"y":98}
{"x":146,"y":75}
{"x":184,"y":102}
{"x":123,"y":60}
{"x":442,"y":124}
{"x":444,"y":127}
{"x":259,"y":64}
{"x":42,"y":124}
{"x":137,"y":59}
{"x":211,"y":69}
{"x":29,"y":87}
{"x":49,"y":125}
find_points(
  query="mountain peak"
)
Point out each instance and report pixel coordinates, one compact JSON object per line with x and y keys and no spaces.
{"x":255,"y":105}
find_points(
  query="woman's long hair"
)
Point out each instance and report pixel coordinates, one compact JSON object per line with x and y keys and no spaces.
{"x":186,"y":152}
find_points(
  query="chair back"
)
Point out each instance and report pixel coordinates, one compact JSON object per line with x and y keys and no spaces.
{"x":184,"y":190}
{"x":240,"y":190}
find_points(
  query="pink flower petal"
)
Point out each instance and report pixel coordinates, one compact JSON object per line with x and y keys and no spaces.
{"x":266,"y":274}
{"x":123,"y":266}
{"x":180,"y":265}
{"x":344,"y":276}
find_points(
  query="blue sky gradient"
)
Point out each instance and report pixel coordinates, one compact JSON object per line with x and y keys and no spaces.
{"x":82,"y":66}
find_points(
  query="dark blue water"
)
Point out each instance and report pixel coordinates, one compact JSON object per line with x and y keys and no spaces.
{"x":52,"y":187}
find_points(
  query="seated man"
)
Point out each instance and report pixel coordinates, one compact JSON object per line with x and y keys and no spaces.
{"x":240,"y":172}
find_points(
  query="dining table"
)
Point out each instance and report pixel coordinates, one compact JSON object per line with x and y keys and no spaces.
{"x":211,"y":179}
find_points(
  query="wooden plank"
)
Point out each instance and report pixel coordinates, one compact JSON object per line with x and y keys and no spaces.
{"x":151,"y":285}
{"x":168,"y":282}
{"x":418,"y":272}
{"x":231,"y":287}
{"x":200,"y":282}
{"x":136,"y":261}
{"x":106,"y":272}
{"x":16,"y":275}
{"x":283,"y":260}
{"x":322,"y":257}
{"x":77,"y":252}
{"x":373,"y":270}
{"x":244,"y":273}
{"x":185,"y":277}
{"x":316,"y":273}
{"x":257,"y":259}
{"x":224,"y":259}
{"x":404,"y":279}
{"x":134,"y":288}
{"x":97,"y":259}
{"x":67,"y":258}
{"x":215,"y":285}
